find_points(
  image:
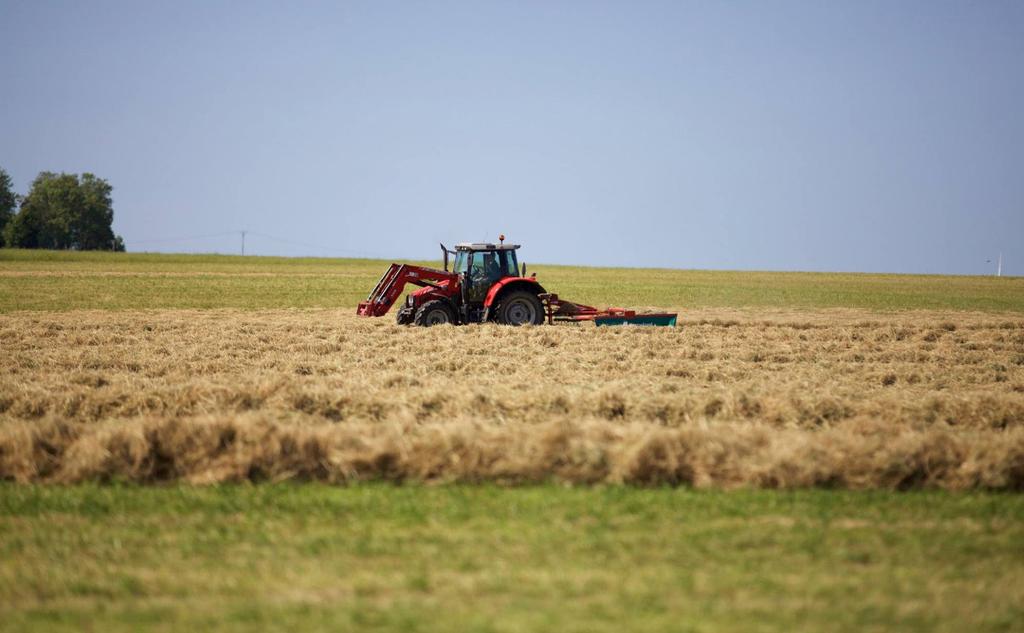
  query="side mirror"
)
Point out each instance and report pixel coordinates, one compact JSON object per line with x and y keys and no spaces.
{"x":524,"y":270}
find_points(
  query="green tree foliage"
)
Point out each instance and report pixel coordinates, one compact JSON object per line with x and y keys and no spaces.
{"x":65,"y":211}
{"x":8,"y":202}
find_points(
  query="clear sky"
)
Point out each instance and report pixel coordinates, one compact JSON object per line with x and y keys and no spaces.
{"x":819,"y":135}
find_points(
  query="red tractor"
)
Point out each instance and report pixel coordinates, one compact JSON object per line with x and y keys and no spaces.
{"x":485,"y":284}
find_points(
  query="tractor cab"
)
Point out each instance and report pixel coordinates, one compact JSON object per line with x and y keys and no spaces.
{"x":483,"y":265}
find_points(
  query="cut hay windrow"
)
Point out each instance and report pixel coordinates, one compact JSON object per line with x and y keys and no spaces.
{"x":252,"y":448}
{"x":838,"y":399}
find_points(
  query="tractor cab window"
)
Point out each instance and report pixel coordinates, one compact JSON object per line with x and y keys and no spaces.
{"x":486,"y":266}
{"x":509,"y":264}
{"x":484,"y":270}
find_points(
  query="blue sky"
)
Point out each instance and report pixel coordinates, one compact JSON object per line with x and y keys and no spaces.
{"x":859,"y":136}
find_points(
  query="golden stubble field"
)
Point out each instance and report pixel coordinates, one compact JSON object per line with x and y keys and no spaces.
{"x":731,"y":398}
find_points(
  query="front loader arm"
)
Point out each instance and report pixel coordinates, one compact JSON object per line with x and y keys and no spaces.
{"x":392,"y":284}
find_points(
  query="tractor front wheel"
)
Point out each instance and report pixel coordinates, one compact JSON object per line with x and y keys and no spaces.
{"x":434,"y":312}
{"x":404,"y":316}
{"x":520,"y":308}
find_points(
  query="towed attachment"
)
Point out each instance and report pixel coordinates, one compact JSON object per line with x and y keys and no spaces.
{"x":559,"y":310}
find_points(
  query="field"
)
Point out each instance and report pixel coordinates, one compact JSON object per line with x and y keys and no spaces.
{"x":48,"y":280}
{"x":838,"y":401}
{"x":564,"y":477}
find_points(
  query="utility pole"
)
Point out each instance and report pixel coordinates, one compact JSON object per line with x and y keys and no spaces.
{"x":243,"y":241}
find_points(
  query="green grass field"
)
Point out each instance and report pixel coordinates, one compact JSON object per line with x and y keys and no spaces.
{"x":465,"y":558}
{"x":49,"y":280}
{"x":375,"y":557}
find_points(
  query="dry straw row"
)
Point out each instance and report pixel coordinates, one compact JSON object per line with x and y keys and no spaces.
{"x":831,"y":399}
{"x":863,"y":454}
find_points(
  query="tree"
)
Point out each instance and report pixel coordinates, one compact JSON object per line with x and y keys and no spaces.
{"x":8,"y":202}
{"x":65,"y":211}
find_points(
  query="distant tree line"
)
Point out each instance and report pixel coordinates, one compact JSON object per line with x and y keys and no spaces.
{"x":61,"y":211}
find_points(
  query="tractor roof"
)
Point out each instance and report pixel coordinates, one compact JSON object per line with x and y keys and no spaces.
{"x":482,"y":246}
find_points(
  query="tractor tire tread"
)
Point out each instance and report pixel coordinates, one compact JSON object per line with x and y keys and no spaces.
{"x":421,"y":313}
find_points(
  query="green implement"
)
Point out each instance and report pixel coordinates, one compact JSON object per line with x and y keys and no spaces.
{"x":636,"y":319}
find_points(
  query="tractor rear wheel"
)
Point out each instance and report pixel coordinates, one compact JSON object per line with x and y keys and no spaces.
{"x":436,"y":312}
{"x":520,"y":308}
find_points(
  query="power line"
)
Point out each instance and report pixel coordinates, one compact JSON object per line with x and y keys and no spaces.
{"x":184,"y":239}
{"x":323,"y":249}
{"x":243,"y":233}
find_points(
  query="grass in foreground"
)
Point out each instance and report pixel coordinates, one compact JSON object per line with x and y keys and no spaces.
{"x":463,"y":558}
{"x":54,"y":280}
